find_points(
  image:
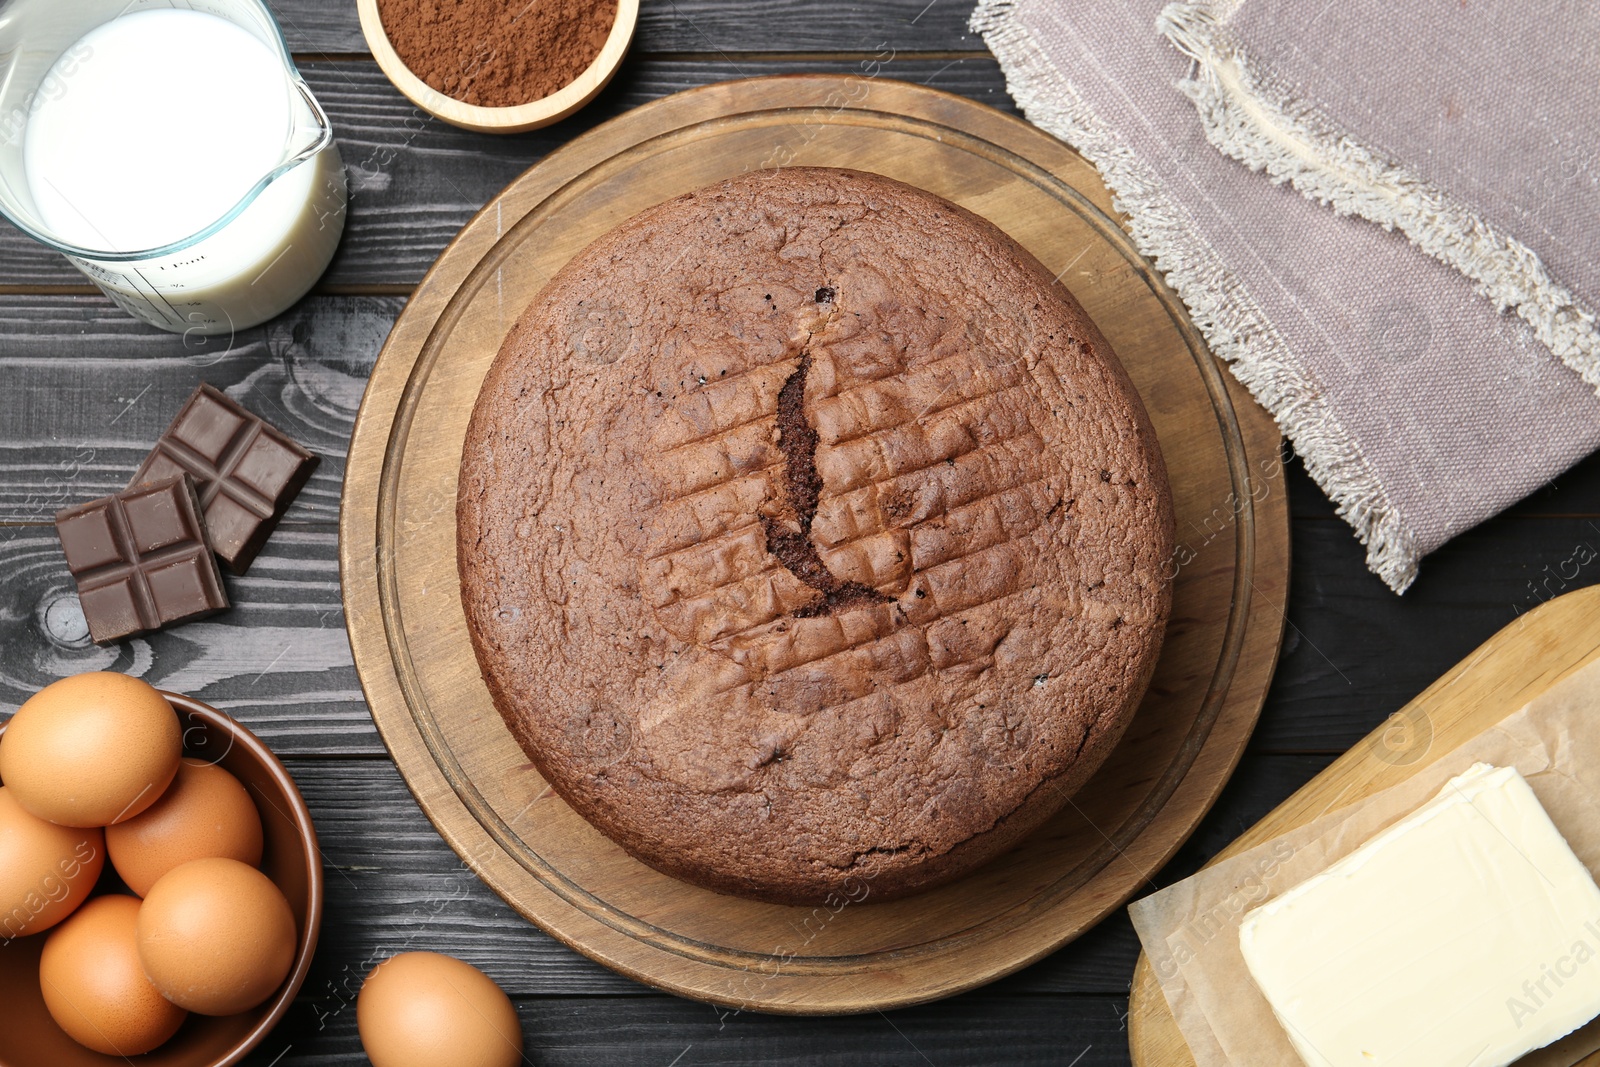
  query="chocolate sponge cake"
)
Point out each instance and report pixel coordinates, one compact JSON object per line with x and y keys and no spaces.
{"x":811,"y":536}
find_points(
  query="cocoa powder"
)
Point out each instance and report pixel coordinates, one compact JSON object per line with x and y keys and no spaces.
{"x":497,"y":53}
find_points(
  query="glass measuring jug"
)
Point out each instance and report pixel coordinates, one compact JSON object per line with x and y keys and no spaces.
{"x":120,"y":147}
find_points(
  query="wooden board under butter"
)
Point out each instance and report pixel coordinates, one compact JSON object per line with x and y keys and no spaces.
{"x":407,"y":629}
{"x":1515,"y":665}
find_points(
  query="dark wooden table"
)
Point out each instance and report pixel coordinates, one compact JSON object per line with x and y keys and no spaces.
{"x":84,"y":390}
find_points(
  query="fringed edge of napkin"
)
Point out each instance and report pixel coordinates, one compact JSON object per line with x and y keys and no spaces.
{"x":1233,"y":325}
{"x":1292,"y":142}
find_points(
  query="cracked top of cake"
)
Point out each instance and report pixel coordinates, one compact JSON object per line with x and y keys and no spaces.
{"x":809,"y":531}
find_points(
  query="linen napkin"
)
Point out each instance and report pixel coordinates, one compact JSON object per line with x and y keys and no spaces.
{"x":1477,"y":136}
{"x":1417,"y":404}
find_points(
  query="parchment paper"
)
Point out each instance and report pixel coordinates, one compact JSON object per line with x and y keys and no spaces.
{"x":1190,"y":930}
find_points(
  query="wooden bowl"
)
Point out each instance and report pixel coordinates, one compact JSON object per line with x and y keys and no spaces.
{"x":30,"y":1038}
{"x":530,"y":116}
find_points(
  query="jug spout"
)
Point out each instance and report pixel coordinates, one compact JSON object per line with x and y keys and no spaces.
{"x":311,"y":132}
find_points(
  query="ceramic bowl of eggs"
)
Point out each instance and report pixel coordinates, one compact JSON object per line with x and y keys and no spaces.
{"x":160,"y":883}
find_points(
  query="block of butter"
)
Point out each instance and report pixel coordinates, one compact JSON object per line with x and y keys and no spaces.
{"x":1465,"y":935}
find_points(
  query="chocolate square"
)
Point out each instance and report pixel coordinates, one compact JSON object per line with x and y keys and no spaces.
{"x":88,"y":538}
{"x":141,"y":560}
{"x":266,"y":467}
{"x":208,"y":424}
{"x":246,"y":471}
{"x":112,"y":611}
{"x":177,"y":586}
{"x":160,"y":467}
{"x":156,"y":520}
{"x":229,"y":522}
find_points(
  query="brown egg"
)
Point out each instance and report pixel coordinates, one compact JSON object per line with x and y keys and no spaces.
{"x":94,"y":986}
{"x":421,"y":1009}
{"x":91,"y":750}
{"x":46,"y":870}
{"x":204,"y":813}
{"x":216,"y":936}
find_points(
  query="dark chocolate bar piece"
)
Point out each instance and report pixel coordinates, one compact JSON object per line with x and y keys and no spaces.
{"x":246,"y":471}
{"x":141,"y":560}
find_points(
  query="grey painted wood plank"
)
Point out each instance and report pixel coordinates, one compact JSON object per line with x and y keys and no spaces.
{"x":415,"y":180}
{"x":278,"y":660}
{"x":662,"y":1031}
{"x":90,"y":390}
{"x":85,"y":365}
{"x":393,"y":885}
{"x":708,"y":26}
{"x":1353,"y":652}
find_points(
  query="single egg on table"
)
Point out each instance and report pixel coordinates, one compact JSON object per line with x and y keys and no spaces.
{"x":423,"y":1009}
{"x":216,"y":936}
{"x":94,"y":986}
{"x":46,"y":870}
{"x":204,"y":814}
{"x":91,"y":750}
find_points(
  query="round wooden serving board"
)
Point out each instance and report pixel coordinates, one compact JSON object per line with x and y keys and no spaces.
{"x":402,"y":603}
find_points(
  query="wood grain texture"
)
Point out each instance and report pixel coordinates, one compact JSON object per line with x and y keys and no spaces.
{"x":415,"y":180}
{"x":1352,"y":654}
{"x":708,"y":26}
{"x":392,"y":884}
{"x":660,"y":1031}
{"x":278,"y":660}
{"x":70,"y":364}
{"x":101,"y":387}
{"x":428,"y":699}
{"x":400,"y":867}
{"x":1510,"y":669}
